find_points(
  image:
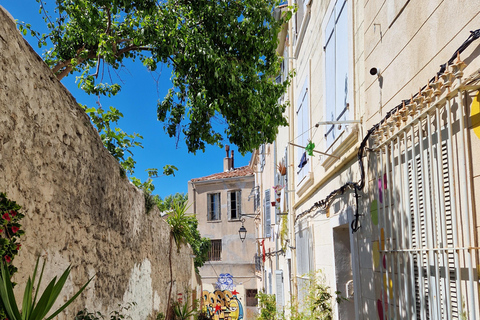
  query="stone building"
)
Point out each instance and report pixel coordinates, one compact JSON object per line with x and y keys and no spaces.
{"x":384,"y":199}
{"x":222,"y":204}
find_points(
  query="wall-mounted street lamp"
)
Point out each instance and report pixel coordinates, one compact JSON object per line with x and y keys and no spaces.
{"x":242,"y":232}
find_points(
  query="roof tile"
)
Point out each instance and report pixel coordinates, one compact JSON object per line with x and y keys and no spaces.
{"x":238,"y":172}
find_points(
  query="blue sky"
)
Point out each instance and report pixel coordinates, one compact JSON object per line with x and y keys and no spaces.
{"x":137,"y":101}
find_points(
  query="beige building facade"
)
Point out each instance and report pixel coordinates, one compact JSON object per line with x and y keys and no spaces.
{"x":386,"y":203}
{"x":222,"y":203}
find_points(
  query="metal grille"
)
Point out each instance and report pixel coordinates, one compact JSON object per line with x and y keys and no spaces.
{"x":425,"y":212}
{"x":215,"y":253}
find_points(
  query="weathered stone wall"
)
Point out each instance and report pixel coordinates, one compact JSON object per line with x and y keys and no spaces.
{"x":79,"y":209}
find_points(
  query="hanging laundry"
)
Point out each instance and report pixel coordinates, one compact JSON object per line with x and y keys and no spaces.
{"x":303,"y":161}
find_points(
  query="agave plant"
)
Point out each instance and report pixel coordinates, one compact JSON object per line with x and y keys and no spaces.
{"x":33,"y":309}
{"x":182,"y":311}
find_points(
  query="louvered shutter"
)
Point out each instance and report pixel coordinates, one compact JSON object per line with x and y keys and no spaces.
{"x":238,"y":204}
{"x":279,"y":288}
{"x":268,"y":221}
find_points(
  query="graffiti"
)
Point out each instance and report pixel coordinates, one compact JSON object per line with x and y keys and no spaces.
{"x":224,"y":282}
{"x":222,"y":304}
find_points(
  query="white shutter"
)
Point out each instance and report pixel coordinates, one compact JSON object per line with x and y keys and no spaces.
{"x":303,"y":133}
{"x":268,"y":222}
{"x":330,"y":79}
{"x":341,"y":61}
{"x":279,"y":288}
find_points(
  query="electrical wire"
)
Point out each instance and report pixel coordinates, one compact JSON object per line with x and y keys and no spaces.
{"x":358,"y":186}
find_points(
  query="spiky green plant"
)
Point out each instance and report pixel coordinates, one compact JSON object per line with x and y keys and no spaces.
{"x":33,"y":309}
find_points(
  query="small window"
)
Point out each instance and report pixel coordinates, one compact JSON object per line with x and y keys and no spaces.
{"x":234,"y":204}
{"x":213,"y":207}
{"x":215,"y":253}
{"x":251,"y":297}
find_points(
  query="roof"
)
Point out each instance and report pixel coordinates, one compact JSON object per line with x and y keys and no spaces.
{"x":238,"y":172}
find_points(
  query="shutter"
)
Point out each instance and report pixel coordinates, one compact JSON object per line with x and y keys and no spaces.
{"x":268,"y":221}
{"x":239,"y":204}
{"x":218,"y":213}
{"x":209,"y":207}
{"x":303,"y":126}
{"x":330,"y":80}
{"x":279,"y":288}
{"x":453,"y":291}
{"x":418,"y":237}
{"x":341,"y":62}
{"x":229,"y":205}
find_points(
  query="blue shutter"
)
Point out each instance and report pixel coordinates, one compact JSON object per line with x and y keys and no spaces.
{"x":268,"y":220}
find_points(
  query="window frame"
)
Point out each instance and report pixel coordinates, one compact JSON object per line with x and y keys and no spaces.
{"x":302,"y":132}
{"x":337,"y":63}
{"x":238,"y":204}
{"x":210,"y":210}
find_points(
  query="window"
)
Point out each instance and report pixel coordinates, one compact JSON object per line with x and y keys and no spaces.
{"x":213,"y":207}
{"x":336,"y":71}
{"x":267,"y":215}
{"x":215,"y":253}
{"x":302,"y":132}
{"x":301,"y":19}
{"x":251,"y":297}
{"x":234,"y":201}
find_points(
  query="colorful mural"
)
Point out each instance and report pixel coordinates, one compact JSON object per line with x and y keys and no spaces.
{"x":224,"y":282}
{"x":222,"y":304}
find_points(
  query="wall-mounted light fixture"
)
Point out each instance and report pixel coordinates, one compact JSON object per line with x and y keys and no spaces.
{"x":242,"y":232}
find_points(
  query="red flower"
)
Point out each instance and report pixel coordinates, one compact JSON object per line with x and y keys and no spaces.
{"x":18,"y":246}
{"x":15,"y":229}
{"x":8,"y":259}
{"x":6,"y":216}
{"x":1,"y":230}
{"x":13,"y":213}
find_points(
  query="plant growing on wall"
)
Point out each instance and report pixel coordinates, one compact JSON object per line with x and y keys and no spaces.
{"x":183,"y":230}
{"x":10,"y":231}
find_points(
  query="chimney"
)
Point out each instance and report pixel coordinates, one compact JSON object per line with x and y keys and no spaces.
{"x":231,"y":162}
{"x":227,"y":163}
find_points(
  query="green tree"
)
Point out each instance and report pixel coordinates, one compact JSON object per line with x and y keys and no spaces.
{"x":200,"y":245}
{"x":222,"y":53}
{"x":180,"y":234}
{"x":166,"y":204}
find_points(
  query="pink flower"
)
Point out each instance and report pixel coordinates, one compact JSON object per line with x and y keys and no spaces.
{"x":15,"y":229}
{"x":6,"y":216}
{"x":8,"y":259}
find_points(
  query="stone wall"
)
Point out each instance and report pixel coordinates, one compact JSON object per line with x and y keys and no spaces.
{"x":79,"y":208}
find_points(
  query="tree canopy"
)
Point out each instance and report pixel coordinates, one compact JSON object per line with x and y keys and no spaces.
{"x":222,"y":53}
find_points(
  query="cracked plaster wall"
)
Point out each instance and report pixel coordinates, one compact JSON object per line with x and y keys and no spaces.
{"x":79,"y":209}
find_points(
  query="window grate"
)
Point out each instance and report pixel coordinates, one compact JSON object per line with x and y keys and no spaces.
{"x":425,"y":217}
{"x":215,"y":253}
